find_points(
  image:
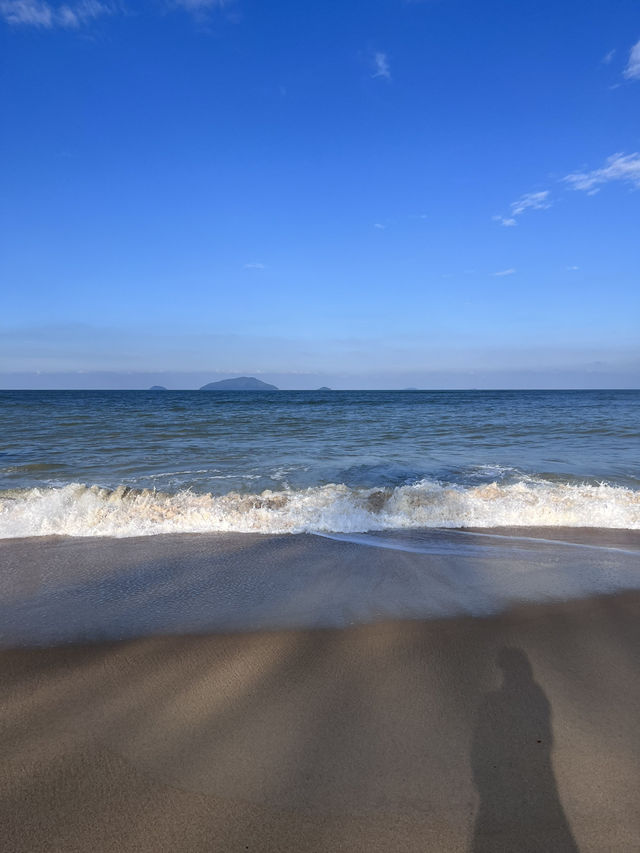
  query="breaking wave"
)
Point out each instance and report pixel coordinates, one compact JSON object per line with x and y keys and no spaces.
{"x":78,"y":510}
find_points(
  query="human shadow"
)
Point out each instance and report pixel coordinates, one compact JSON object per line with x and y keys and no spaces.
{"x":520,"y":809}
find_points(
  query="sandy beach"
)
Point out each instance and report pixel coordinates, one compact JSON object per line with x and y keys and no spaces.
{"x":513,"y":731}
{"x":319,"y":427}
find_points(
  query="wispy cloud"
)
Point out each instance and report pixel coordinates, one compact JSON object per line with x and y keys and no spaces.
{"x":573,"y":268}
{"x":618,"y":167}
{"x":531,"y":201}
{"x":381,"y":65}
{"x":198,"y":6}
{"x":606,"y":59}
{"x":632,"y":71}
{"x":255,"y":265}
{"x":73,"y":15}
{"x":379,"y":226}
{"x":528,"y":201}
{"x":38,"y":13}
{"x":510,"y":271}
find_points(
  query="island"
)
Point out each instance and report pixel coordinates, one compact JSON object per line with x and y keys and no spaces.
{"x":157,"y":388}
{"x":324,"y":388}
{"x":241,"y":383}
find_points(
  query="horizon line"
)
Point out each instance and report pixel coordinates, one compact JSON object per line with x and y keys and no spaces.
{"x":296,"y":390}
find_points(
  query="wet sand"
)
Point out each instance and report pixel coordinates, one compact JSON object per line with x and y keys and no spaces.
{"x":516,"y":731}
{"x":57,"y":590}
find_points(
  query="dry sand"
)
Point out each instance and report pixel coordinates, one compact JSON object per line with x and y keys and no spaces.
{"x":401,"y":736}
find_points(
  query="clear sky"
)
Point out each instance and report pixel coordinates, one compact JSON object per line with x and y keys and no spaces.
{"x":372,"y":193}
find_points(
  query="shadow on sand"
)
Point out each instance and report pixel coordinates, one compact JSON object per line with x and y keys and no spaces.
{"x":520,"y":809}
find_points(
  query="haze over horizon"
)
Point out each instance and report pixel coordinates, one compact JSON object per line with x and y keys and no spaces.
{"x":380,"y":195}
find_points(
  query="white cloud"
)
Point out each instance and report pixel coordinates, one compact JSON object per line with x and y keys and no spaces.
{"x":573,"y":268}
{"x":632,"y":71}
{"x":618,"y":167}
{"x":72,"y":15}
{"x":38,"y":13}
{"x":83,"y":12}
{"x":256,"y":265}
{"x":510,"y":271}
{"x":381,"y":65}
{"x":30,"y":12}
{"x":606,"y":59}
{"x":379,"y":225}
{"x":528,"y":201}
{"x":202,"y":5}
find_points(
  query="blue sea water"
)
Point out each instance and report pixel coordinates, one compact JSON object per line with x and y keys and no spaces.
{"x":131,"y":462}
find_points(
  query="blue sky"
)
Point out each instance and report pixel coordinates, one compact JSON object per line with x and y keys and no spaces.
{"x":376,"y":193}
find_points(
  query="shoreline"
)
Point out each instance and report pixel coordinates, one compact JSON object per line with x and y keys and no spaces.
{"x":399,"y":735}
{"x":56,"y":590}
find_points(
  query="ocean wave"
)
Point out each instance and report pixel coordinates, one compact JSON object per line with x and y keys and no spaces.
{"x":79,"y":510}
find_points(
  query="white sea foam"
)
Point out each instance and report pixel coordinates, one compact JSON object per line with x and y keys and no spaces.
{"x":77,"y":510}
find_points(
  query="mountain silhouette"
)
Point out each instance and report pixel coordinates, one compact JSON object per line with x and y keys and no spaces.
{"x":241,"y":383}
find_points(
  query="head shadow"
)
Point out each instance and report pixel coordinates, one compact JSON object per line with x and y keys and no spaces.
{"x":520,"y":809}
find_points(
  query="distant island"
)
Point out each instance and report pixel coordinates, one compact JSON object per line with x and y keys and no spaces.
{"x":242,"y":383}
{"x":157,"y":388}
{"x":324,"y":388}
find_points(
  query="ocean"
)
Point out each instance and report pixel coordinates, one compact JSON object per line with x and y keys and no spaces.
{"x":131,"y":463}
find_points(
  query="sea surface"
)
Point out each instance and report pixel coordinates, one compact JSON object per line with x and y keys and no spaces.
{"x":111,"y":463}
